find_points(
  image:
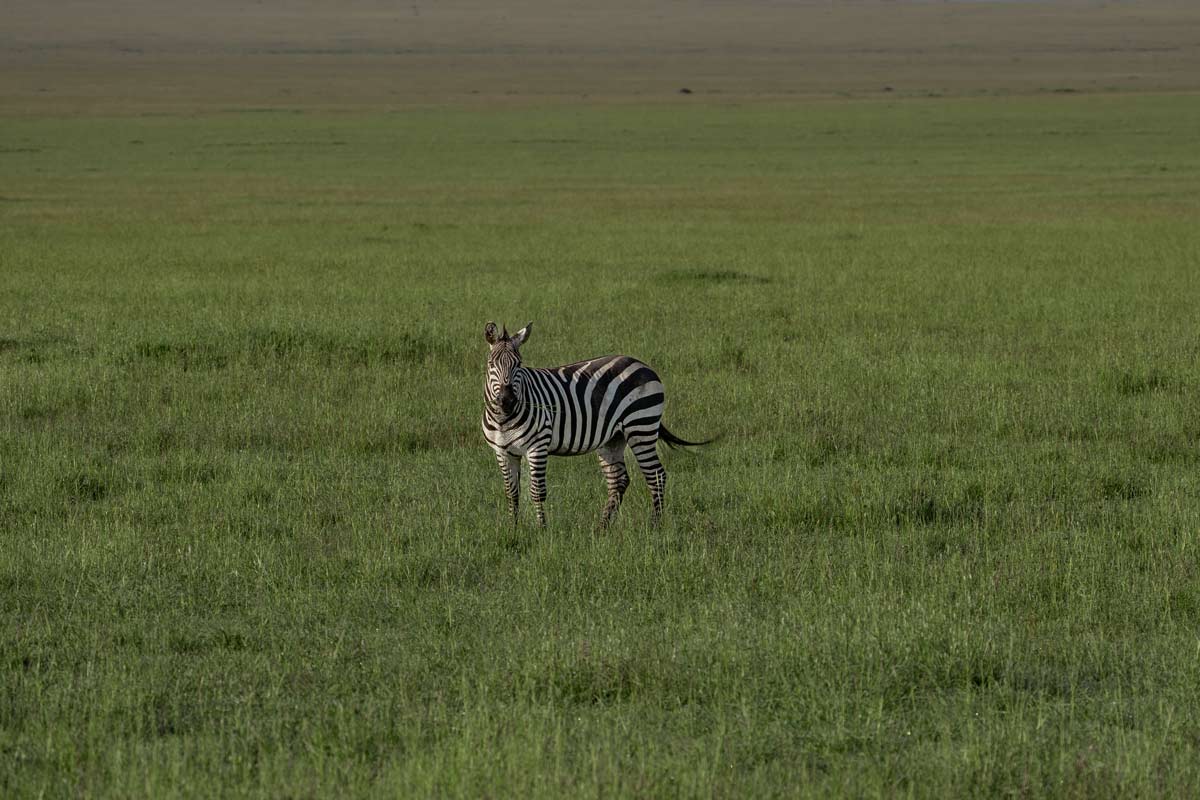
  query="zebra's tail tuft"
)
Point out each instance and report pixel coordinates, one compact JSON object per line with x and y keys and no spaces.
{"x":672,"y":440}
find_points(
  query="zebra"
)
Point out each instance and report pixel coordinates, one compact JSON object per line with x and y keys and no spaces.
{"x":601,"y":404}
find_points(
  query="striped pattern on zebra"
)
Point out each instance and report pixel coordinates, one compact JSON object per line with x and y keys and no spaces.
{"x":602,"y":404}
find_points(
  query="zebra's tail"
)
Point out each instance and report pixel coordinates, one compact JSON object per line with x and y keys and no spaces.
{"x":672,"y":440}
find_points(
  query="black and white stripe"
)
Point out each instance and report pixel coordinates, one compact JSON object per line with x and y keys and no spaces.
{"x":603,"y":404}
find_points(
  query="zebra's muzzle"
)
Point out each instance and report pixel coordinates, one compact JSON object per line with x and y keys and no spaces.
{"x":507,"y":400}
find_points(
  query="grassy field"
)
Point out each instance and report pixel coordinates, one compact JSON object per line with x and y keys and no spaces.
{"x":252,"y":542}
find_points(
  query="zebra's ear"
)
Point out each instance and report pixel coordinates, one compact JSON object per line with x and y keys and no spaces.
{"x":520,"y":336}
{"x":489,"y":333}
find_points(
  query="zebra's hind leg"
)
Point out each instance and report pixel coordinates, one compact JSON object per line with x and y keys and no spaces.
{"x":612,"y":464}
{"x":645,"y":450}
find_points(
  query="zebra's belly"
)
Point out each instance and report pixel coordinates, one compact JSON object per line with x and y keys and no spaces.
{"x":571,"y":451}
{"x":590,"y":442}
{"x":518,"y":443}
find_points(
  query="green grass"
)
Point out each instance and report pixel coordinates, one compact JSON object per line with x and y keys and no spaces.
{"x":252,"y":541}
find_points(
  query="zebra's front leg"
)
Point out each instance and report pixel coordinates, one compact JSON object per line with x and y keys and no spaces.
{"x":510,"y":468}
{"x":537,"y":483}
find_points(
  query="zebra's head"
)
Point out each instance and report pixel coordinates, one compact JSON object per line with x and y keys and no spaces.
{"x":502,"y":391}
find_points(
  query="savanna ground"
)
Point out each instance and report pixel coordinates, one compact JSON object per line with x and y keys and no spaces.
{"x":252,"y":542}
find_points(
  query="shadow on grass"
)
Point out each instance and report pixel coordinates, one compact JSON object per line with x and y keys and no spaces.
{"x":704,"y":277}
{"x":590,"y":679}
{"x":925,"y":505}
{"x":1122,"y":487}
{"x":1139,"y":383}
{"x":188,"y":356}
{"x":35,"y":349}
{"x":84,"y":487}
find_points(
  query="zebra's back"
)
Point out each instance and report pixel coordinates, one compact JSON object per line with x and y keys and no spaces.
{"x":595,"y":401}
